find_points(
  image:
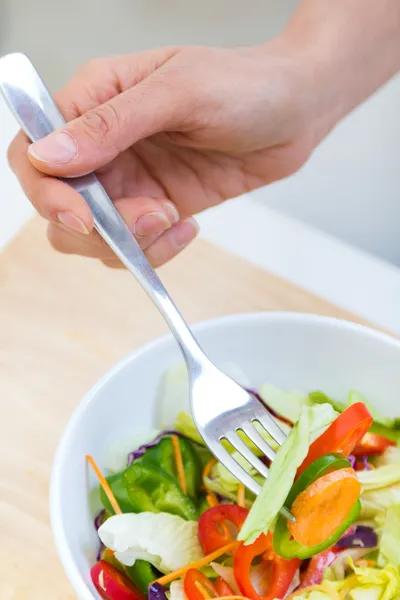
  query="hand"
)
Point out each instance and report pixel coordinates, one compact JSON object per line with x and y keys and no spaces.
{"x":170,"y":132}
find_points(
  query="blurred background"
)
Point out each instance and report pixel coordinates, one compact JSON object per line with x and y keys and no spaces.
{"x":349,"y":189}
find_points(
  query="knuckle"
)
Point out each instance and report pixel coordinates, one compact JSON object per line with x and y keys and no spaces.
{"x":102,"y":123}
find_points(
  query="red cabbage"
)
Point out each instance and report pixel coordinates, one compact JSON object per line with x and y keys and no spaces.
{"x":363,"y":537}
{"x":156,"y":592}
{"x":98,"y":522}
{"x":271,"y":410}
{"x":352,"y":460}
{"x":367,"y":466}
{"x":135,"y":454}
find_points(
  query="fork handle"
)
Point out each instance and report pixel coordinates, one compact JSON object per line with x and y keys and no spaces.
{"x":34,"y":108}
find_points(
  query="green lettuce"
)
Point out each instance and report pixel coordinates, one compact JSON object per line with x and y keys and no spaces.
{"x":370,"y":583}
{"x":389,"y":546}
{"x":262,"y":516}
{"x":286,"y":404}
{"x":166,"y":541}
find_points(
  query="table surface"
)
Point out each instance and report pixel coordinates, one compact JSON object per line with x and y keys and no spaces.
{"x":65,"y":321}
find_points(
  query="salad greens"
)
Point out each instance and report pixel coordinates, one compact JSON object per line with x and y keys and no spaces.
{"x":175,"y":501}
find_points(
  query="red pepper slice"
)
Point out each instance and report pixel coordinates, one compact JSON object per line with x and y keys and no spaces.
{"x":195,"y":582}
{"x":314,"y":573}
{"x":112,"y":584}
{"x":342,"y":435}
{"x":280,"y":570}
{"x":211,"y":535}
{"x":372,"y":443}
{"x":223,"y":588}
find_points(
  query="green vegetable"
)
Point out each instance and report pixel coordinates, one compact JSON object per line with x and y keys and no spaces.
{"x":142,"y":573}
{"x":370,"y":583}
{"x":163,"y":456}
{"x":287,"y":404}
{"x":185,"y":424}
{"x":380,"y":477}
{"x":283,"y":544}
{"x":118,"y":488}
{"x":283,"y":470}
{"x":166,"y":541}
{"x":321,"y":398}
{"x":151,"y":489}
{"x":389,"y":546}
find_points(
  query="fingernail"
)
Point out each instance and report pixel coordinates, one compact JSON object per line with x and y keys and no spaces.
{"x":72,"y":222}
{"x":57,"y":148}
{"x":185,"y":232}
{"x":150,"y":224}
{"x":171,"y":211}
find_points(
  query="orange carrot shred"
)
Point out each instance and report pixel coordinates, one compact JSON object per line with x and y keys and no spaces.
{"x":179,"y":463}
{"x":198,"y":564}
{"x":202,"y":590}
{"x":241,"y":495}
{"x":209,"y":466}
{"x":212,"y":499}
{"x":363,"y":562}
{"x":104,"y":484}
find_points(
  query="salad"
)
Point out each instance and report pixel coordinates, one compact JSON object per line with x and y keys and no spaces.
{"x":176,"y":525}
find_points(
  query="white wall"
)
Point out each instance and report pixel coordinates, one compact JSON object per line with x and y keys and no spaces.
{"x":349,"y":188}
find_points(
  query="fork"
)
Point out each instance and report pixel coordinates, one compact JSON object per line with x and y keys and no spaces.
{"x":220,"y":407}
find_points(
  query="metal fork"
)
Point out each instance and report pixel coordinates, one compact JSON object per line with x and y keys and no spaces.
{"x":220,"y":407}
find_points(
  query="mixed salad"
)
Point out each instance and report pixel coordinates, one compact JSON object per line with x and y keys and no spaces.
{"x":175,"y":524}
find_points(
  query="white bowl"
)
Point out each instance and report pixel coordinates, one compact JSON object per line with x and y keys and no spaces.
{"x":292,"y":351}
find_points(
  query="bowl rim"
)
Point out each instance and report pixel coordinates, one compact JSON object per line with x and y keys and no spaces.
{"x":65,"y":556}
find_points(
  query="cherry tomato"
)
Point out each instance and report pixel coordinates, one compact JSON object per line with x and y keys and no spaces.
{"x":112,"y":584}
{"x":342,"y":436}
{"x":211,"y":535}
{"x":281,"y":571}
{"x":372,"y":443}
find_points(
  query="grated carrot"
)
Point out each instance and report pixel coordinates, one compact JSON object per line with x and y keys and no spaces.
{"x":202,"y":590}
{"x":241,"y":495}
{"x":180,"y":469}
{"x":233,"y":598}
{"x":212,"y":499}
{"x":315,"y":588}
{"x":363,"y":562}
{"x":198,"y":564}
{"x":104,"y":484}
{"x":208,"y":468}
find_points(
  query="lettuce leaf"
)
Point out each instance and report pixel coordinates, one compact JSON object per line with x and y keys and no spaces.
{"x":166,"y":541}
{"x":262,"y":516}
{"x":286,"y":404}
{"x":389,"y":547}
{"x":370,"y":583}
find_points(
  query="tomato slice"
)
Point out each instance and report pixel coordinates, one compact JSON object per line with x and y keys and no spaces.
{"x":342,"y":435}
{"x":112,"y":584}
{"x":212,"y":537}
{"x":223,"y":588}
{"x":197,"y":586}
{"x":372,"y":443}
{"x":280,"y":571}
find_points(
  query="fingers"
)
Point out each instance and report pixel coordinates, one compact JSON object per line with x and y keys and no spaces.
{"x":158,"y":248}
{"x":52,"y":198}
{"x":99,"y":135}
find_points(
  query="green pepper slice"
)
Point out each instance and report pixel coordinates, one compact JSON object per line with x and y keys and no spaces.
{"x":163,"y":456}
{"x":142,"y":573}
{"x":154,"y":490}
{"x":282,"y":542}
{"x":118,"y":488}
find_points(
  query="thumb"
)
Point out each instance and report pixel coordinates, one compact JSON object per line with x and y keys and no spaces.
{"x":99,"y":135}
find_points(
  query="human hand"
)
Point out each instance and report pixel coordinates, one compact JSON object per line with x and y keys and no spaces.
{"x":169,"y":132}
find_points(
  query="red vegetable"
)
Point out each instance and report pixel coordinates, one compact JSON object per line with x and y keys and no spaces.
{"x":372,"y":443}
{"x":223,"y":589}
{"x":112,"y":584}
{"x":211,"y":535}
{"x":280,"y":571}
{"x":342,"y":435}
{"x":195,"y":582}
{"x":314,"y":573}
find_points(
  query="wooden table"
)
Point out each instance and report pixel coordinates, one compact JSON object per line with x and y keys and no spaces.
{"x":64,"y":321}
